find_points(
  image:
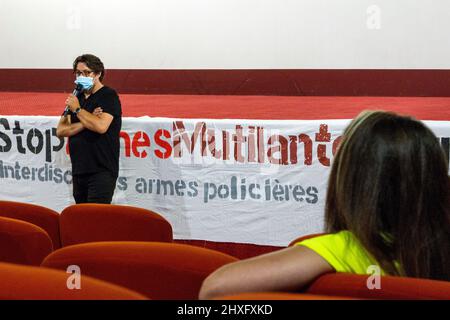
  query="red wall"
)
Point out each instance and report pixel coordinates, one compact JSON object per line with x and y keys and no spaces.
{"x":419,"y":83}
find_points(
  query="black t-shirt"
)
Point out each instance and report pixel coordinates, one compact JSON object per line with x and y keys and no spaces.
{"x":93,"y":152}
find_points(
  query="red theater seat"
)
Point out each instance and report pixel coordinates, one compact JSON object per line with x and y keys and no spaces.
{"x":352,"y":285}
{"x":43,"y":217}
{"x":37,"y":283}
{"x":83,"y":223}
{"x":279,"y":296}
{"x":22,"y":242}
{"x":157,"y":270}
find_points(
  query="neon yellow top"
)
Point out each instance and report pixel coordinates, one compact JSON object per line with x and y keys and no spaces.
{"x":343,"y":252}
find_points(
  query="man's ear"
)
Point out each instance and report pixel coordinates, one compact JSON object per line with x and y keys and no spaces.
{"x":97,"y":77}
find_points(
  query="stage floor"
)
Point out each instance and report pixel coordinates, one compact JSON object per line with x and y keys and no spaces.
{"x":236,"y":107}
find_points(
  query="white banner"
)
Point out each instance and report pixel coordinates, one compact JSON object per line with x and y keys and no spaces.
{"x":243,"y":181}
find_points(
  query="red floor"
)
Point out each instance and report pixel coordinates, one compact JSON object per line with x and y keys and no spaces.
{"x":235,"y":107}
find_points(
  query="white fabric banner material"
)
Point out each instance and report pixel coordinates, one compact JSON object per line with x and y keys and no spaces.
{"x":243,"y":181}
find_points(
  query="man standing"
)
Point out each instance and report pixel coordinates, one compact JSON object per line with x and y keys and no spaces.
{"x":93,"y":123}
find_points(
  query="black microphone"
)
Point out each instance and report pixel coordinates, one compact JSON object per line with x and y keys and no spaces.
{"x":75,"y":92}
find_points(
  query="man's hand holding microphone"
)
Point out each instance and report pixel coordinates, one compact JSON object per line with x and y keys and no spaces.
{"x":73,"y":104}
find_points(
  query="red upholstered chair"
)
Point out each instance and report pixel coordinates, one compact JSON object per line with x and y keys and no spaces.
{"x":22,"y":242}
{"x":279,"y":296}
{"x":352,"y":285}
{"x":156,"y":269}
{"x":83,"y":223}
{"x":37,"y":283}
{"x":43,"y":217}
{"x":308,"y":236}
